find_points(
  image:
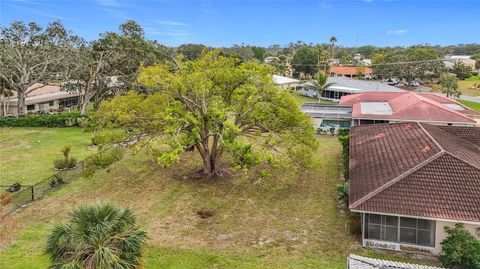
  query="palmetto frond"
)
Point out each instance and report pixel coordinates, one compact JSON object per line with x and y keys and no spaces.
{"x":97,"y":237}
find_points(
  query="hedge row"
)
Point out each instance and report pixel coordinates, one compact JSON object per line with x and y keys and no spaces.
{"x":65,"y":119}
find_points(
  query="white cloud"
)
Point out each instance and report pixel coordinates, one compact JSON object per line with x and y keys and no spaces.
{"x":108,"y":3}
{"x":167,"y":28}
{"x":397,"y":32}
{"x":169,"y":23}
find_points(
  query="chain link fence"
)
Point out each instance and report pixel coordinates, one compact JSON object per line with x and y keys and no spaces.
{"x":29,"y":193}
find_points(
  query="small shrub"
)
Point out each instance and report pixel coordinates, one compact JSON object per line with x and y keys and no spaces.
{"x":332,"y":130}
{"x":72,"y":162}
{"x":354,"y":221}
{"x":343,"y":131}
{"x":345,"y":141}
{"x":97,"y":236}
{"x":84,"y":123}
{"x":342,"y":192}
{"x":66,"y":162}
{"x":102,"y":160}
{"x":60,"y":164}
{"x":460,"y":249}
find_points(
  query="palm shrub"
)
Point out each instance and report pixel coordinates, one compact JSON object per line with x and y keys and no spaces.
{"x":100,"y":236}
{"x":67,"y":161}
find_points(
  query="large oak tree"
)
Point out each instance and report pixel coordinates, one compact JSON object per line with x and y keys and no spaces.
{"x":218,"y":106}
{"x":31,"y":57}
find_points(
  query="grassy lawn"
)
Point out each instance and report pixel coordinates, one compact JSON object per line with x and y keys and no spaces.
{"x":472,"y":105}
{"x":27,"y":154}
{"x":463,"y":85}
{"x":305,"y":99}
{"x":289,"y":220}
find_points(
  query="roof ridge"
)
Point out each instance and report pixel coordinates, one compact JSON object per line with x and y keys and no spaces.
{"x":462,"y":160}
{"x":430,"y":136}
{"x":402,"y":96}
{"x":455,"y":137}
{"x":398,"y":178}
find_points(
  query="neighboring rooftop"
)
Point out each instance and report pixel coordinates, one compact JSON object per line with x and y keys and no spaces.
{"x":360,"y":262}
{"x":316,"y":110}
{"x":376,"y":108}
{"x":350,"y":70}
{"x":416,"y":169}
{"x":409,"y":106}
{"x":279,"y":80}
{"x":343,"y":84}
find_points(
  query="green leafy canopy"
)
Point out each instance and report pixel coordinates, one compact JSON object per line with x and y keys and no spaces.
{"x":216,"y":105}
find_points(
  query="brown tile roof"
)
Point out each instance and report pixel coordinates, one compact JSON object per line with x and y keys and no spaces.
{"x":416,"y":170}
{"x":471,"y":134}
{"x":409,"y":106}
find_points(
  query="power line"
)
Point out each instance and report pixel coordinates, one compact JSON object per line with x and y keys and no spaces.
{"x":379,"y":64}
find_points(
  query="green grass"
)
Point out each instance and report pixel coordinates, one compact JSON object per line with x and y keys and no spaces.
{"x":464,"y":86}
{"x":27,"y":154}
{"x":289,"y":220}
{"x":473,"y":105}
{"x":286,"y":221}
{"x":305,"y":99}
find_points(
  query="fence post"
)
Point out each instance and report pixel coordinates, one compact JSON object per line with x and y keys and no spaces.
{"x":33,"y":195}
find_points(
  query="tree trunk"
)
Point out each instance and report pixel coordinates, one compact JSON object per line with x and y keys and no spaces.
{"x":8,"y":106}
{"x":21,"y":103}
{"x":85,"y":103}
{"x":209,"y":166}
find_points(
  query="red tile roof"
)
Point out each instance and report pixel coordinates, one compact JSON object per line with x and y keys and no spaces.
{"x":415,"y":169}
{"x":409,"y":106}
{"x":350,"y":70}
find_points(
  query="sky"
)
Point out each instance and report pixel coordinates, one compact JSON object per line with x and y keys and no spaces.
{"x":226,"y":22}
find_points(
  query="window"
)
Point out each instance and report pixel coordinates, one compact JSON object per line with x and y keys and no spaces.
{"x":417,"y":231}
{"x":399,"y":229}
{"x":381,"y":227}
{"x":30,"y":107}
{"x":51,"y":103}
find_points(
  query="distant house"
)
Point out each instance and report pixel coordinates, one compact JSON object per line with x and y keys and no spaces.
{"x":367,"y":62}
{"x":360,"y":262}
{"x":345,"y":86}
{"x":410,"y":180}
{"x":325,"y":117}
{"x":388,"y":107}
{"x":350,"y":71}
{"x":465,"y":59}
{"x":47,"y":99}
{"x":285,"y":82}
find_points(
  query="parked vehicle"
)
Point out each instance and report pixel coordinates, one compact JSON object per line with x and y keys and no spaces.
{"x":414,"y":83}
{"x":392,"y":81}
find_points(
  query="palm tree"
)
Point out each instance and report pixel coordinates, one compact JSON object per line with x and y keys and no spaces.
{"x":97,"y":237}
{"x":333,"y":40}
{"x":320,"y":84}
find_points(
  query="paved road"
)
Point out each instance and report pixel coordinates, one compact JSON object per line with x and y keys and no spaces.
{"x":475,"y":99}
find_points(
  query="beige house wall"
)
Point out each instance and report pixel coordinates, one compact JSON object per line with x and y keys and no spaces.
{"x":440,"y":234}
